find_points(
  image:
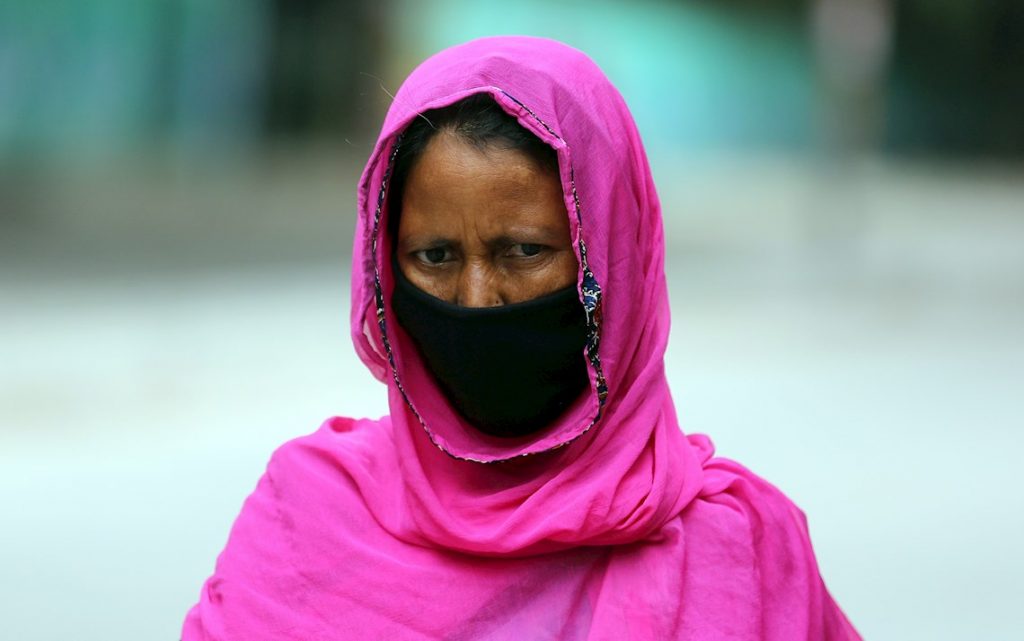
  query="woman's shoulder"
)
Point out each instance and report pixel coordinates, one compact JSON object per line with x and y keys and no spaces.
{"x":743,"y":519}
{"x":338,"y":433}
{"x":769,"y":510}
{"x":338,"y":444}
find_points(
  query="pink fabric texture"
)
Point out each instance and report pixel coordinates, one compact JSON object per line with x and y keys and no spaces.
{"x":609,"y":525}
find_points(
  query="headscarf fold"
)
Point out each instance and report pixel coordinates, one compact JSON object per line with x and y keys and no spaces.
{"x":609,"y":524}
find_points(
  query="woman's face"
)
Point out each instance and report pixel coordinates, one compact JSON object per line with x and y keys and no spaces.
{"x":483,"y":227}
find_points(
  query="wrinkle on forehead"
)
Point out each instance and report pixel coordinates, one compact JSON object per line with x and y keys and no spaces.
{"x":457,"y":188}
{"x":466,"y":167}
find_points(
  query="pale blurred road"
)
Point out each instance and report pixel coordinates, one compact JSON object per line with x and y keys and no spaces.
{"x":855,"y":335}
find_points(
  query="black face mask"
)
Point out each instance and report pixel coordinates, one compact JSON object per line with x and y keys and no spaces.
{"x":509,"y":370}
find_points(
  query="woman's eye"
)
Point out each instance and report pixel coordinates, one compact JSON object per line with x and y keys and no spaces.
{"x":433,"y":256}
{"x":527,"y":249}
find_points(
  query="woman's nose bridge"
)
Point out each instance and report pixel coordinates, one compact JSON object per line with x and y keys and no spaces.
{"x":478,"y":285}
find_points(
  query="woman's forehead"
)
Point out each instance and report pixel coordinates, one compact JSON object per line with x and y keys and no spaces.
{"x":458,"y":163}
{"x":456,"y":185}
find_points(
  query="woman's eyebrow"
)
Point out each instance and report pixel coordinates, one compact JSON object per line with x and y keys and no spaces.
{"x":424,"y":240}
{"x":500,"y":242}
{"x":544,"y":235}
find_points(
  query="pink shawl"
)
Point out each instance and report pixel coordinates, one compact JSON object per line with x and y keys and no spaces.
{"x":610,"y":524}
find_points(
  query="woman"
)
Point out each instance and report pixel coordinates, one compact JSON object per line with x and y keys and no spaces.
{"x":531,"y":481}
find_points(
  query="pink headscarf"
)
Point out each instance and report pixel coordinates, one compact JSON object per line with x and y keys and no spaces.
{"x":610,"y":524}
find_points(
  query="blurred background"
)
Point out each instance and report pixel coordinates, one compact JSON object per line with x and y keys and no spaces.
{"x":843,"y":187}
